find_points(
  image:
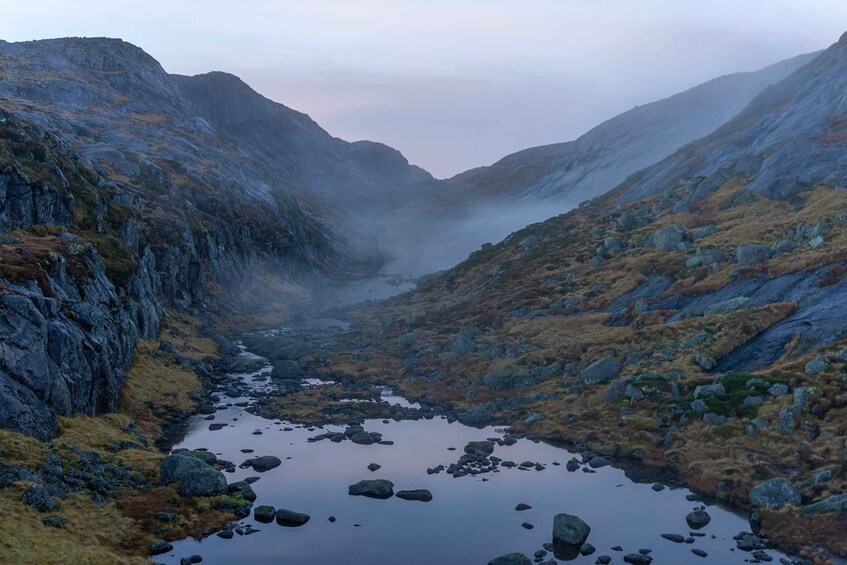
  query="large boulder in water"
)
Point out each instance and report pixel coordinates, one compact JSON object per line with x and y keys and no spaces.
{"x":376,"y":488}
{"x":569,"y":530}
{"x":286,"y":370}
{"x":775,"y":493}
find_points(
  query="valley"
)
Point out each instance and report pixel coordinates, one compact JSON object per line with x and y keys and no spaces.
{"x":214,"y":316}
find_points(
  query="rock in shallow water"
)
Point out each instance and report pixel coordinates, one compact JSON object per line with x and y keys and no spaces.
{"x":420,"y":495}
{"x":290,"y":518}
{"x":376,"y":488}
{"x":569,"y":530}
{"x":511,"y":559}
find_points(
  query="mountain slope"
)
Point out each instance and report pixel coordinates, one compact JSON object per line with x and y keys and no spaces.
{"x":692,"y":324}
{"x":365,"y":175}
{"x":602,"y":158}
{"x":789,"y":139}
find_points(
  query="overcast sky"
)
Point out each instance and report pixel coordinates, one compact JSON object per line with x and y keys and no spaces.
{"x":453,"y":84}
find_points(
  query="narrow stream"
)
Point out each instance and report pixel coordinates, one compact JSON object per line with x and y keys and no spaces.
{"x":471,"y":519}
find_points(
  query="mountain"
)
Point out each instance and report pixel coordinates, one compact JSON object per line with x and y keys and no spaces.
{"x":365,"y":175}
{"x":603,"y":157}
{"x":789,"y":139}
{"x":690,"y":321}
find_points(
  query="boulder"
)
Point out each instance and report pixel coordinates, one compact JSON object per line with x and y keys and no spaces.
{"x":511,"y":559}
{"x":601,"y":370}
{"x":817,"y":365}
{"x":420,"y":495}
{"x":835,"y":503}
{"x":38,"y":497}
{"x":697,"y":519}
{"x":291,"y":519}
{"x":174,"y":467}
{"x":264,"y":513}
{"x":775,"y":494}
{"x":204,"y":481}
{"x":668,"y":238}
{"x":263,"y":463}
{"x":375,"y":488}
{"x":709,"y":391}
{"x":569,"y":530}
{"x":752,"y":253}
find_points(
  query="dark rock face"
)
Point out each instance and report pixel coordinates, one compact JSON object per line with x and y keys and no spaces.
{"x":787,"y":140}
{"x":66,"y":351}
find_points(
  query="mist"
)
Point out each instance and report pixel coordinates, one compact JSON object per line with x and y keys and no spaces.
{"x":442,"y":243}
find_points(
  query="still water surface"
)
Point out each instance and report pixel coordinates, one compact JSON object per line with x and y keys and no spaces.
{"x":470,"y":520}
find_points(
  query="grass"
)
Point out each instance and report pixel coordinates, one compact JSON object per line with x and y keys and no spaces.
{"x":155,"y":389}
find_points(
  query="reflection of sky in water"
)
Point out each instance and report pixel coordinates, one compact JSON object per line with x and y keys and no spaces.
{"x":469,"y":520}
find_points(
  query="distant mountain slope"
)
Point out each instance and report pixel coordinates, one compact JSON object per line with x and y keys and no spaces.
{"x":602,"y":158}
{"x":115,"y":106}
{"x":364,"y":174}
{"x":791,"y":138}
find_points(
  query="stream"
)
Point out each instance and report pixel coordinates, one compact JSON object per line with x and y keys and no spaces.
{"x":471,"y":519}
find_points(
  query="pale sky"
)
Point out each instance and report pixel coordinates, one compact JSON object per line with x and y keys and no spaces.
{"x":453,"y":84}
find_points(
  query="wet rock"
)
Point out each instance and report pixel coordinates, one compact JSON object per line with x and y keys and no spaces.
{"x":159,"y":547}
{"x":262,"y":463}
{"x":242,"y":489}
{"x":587,"y":549}
{"x":376,"y":488}
{"x":775,"y":494}
{"x":572,"y":465}
{"x":598,"y":462}
{"x":373,"y":467}
{"x":522,"y":507}
{"x":601,"y":370}
{"x":698,"y":519}
{"x":511,"y":559}
{"x":290,"y":518}
{"x":699,"y":552}
{"x":264,"y":513}
{"x":527,"y":526}
{"x":569,"y":530}
{"x":637,"y":559}
{"x":420,"y":495}
{"x":676,"y":538}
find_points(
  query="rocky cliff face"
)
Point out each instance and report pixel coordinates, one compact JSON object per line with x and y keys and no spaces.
{"x":106,"y":232}
{"x":791,"y":138}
